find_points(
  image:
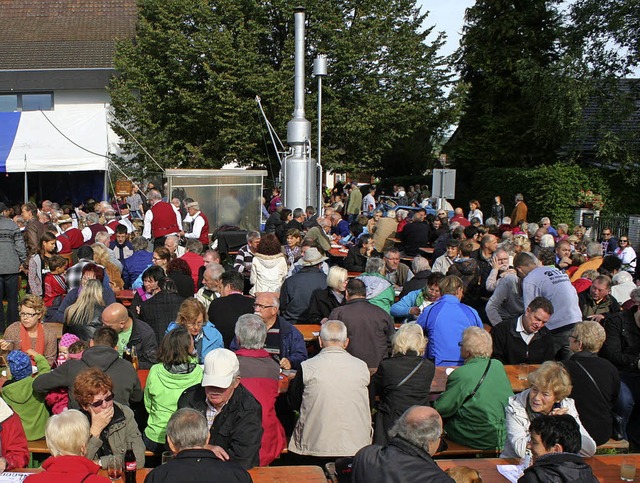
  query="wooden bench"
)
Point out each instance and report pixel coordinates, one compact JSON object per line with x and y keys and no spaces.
{"x":39,"y":446}
{"x":455,"y":450}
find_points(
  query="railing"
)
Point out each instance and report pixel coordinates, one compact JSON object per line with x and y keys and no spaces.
{"x":619,"y":225}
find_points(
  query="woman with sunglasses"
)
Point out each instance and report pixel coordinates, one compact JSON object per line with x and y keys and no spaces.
{"x":626,"y":254}
{"x":113,"y":425}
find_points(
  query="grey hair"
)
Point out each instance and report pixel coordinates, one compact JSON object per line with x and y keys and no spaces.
{"x":140,"y":243}
{"x":298,"y":212}
{"x":193,"y":245}
{"x":419,"y":432}
{"x":253,"y":235}
{"x":477,"y":342}
{"x":215,"y":270}
{"x":420,"y":264}
{"x":187,"y":428}
{"x":545,"y":219}
{"x":635,"y":295}
{"x":490,"y":222}
{"x":402,"y":213}
{"x":275,"y":297}
{"x":67,"y":433}
{"x":251,"y":331}
{"x":391,"y":214}
{"x":622,"y":277}
{"x":333,"y":331}
{"x":519,"y":197}
{"x":102,"y":237}
{"x":564,"y":227}
{"x":532,"y":228}
{"x":173,"y":237}
{"x":594,"y":249}
{"x":92,"y":218}
{"x":409,"y":337}
{"x":154,"y":195}
{"x":374,"y":265}
{"x":547,"y":241}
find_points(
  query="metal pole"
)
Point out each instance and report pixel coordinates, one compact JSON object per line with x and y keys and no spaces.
{"x":26,"y":181}
{"x":320,"y":70}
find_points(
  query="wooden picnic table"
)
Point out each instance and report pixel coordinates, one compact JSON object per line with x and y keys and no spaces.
{"x":308,"y":331}
{"x":439,"y":383}
{"x":338,"y":252}
{"x":605,"y":467}
{"x":427,"y":250}
{"x":125,"y":297}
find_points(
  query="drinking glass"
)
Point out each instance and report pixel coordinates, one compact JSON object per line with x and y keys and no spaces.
{"x":114,"y":468}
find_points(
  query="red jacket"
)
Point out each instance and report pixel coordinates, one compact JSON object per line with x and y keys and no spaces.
{"x":68,"y":469}
{"x":260,"y":374}
{"x":164,"y":220}
{"x":13,"y":439}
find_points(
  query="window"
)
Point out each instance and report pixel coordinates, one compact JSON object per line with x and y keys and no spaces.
{"x":26,"y":102}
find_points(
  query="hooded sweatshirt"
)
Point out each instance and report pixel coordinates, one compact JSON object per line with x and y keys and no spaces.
{"x":380,"y":291}
{"x":268,"y":272}
{"x":161,"y":394}
{"x":29,"y":406}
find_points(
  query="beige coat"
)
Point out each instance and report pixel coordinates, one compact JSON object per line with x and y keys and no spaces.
{"x":335,"y":419}
{"x":385,"y":228}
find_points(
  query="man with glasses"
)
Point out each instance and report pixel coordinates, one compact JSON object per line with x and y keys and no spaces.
{"x":608,"y":241}
{"x":396,"y":272}
{"x":284,"y":341}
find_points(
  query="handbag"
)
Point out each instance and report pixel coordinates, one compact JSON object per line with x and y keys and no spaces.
{"x":617,"y":422}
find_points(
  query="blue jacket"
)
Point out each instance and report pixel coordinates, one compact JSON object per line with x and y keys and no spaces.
{"x":401,"y":307}
{"x":443,"y":323}
{"x":292,"y":345}
{"x":211,"y":339}
{"x":133,"y":266}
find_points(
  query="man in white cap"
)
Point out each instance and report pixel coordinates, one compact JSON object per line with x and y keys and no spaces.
{"x":233,"y":415}
{"x":198,"y":222}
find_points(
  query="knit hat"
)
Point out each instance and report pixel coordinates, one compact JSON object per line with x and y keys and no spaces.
{"x":68,"y":339}
{"x":19,"y":365}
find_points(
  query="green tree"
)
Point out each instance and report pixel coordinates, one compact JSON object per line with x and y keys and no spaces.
{"x":188,"y":82}
{"x":524,"y":93}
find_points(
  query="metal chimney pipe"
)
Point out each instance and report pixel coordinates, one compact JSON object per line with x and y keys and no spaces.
{"x":299,"y":172}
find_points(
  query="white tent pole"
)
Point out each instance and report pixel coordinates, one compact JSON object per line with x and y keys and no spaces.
{"x":26,"y":181}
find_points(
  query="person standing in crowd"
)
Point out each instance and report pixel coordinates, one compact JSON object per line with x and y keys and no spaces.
{"x":474,"y":211}
{"x":497,"y":210}
{"x":160,"y":220}
{"x":199,"y":224}
{"x":33,"y":230}
{"x":244,"y":258}
{"x":135,"y":202}
{"x":519,"y":213}
{"x":13,"y":254}
{"x":354,"y":202}
{"x":121,"y":246}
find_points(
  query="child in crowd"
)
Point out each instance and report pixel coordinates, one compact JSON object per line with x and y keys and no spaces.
{"x":17,"y":392}
{"x":55,"y":285}
{"x":70,"y":347}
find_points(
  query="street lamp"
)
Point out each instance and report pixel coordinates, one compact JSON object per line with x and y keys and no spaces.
{"x":320,"y":71}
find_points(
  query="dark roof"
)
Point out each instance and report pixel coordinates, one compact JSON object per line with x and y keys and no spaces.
{"x":63,"y":34}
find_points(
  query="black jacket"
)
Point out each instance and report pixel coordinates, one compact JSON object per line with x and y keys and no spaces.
{"x":622,"y":345}
{"x":126,"y":385}
{"x":399,"y":462}
{"x":418,"y":281}
{"x":238,"y":427}
{"x":509,"y":348}
{"x":414,"y":236}
{"x":355,"y":261}
{"x":559,"y":468}
{"x":143,"y":338}
{"x":323,"y":301}
{"x":224,"y":313}
{"x":160,"y":310}
{"x":196,"y":466}
{"x":395,"y":400}
{"x":295,"y":294}
{"x":595,"y":413}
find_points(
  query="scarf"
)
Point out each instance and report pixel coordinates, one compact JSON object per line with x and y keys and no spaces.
{"x":25,"y":340}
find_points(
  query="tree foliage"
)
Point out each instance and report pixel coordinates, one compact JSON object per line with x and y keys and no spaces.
{"x":188,"y":82}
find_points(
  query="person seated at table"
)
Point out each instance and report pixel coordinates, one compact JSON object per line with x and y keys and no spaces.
{"x":160,"y":310}
{"x":411,"y":305}
{"x":402,"y":380}
{"x":236,"y":432}
{"x":150,"y":278}
{"x":175,"y":372}
{"x":137,"y":263}
{"x":30,"y":332}
{"x":525,"y":339}
{"x":193,"y":317}
{"x":331,"y":392}
{"x":89,"y":271}
{"x":380,"y":292}
{"x":473,"y":402}
{"x":187,"y":436}
{"x":102,"y":354}
{"x":101,"y":257}
{"x":224,"y":311}
{"x":547,"y":396}
{"x":356,"y":259}
{"x":324,"y":300}
{"x":415,"y":438}
{"x":259,"y":373}
{"x":421,"y":273}
{"x":18,"y":392}
{"x":394,"y":270}
{"x":269,"y":267}
{"x":596,"y":381}
{"x":112,"y":425}
{"x":82,"y":318}
{"x":67,"y":434}
{"x":555,"y":443}
{"x":179,"y":271}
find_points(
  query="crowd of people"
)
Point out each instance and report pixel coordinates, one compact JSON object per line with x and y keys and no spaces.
{"x":218,"y":333}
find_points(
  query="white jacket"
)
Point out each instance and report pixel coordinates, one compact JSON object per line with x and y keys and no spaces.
{"x":518,"y":427}
{"x":268,"y":272}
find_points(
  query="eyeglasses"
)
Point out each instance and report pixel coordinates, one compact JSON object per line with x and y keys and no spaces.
{"x":624,"y":241}
{"x":156,"y":259}
{"x":193,"y":325}
{"x":574,"y":338}
{"x":99,"y":403}
{"x":27,"y":315}
{"x":262,"y":307}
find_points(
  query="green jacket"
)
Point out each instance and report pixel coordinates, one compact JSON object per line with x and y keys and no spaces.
{"x":161,"y":396}
{"x":480,"y":422}
{"x":354,"y":202}
{"x":28,"y":405}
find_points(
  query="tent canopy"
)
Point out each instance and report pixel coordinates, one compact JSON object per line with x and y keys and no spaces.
{"x":46,"y":141}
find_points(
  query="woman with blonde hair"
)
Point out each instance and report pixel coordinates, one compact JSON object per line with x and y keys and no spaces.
{"x":402,"y":380}
{"x":549,"y":396}
{"x":82,"y":318}
{"x":101,"y":257}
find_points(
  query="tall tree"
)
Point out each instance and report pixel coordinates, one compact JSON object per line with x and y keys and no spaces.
{"x":524,"y":93}
{"x":187,"y":83}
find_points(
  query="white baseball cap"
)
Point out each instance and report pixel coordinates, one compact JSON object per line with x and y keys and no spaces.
{"x":220,"y":365}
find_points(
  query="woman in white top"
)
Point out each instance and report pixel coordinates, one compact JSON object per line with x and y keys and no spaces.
{"x":474,"y":211}
{"x":626,"y":254}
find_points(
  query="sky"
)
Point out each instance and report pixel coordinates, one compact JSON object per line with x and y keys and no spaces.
{"x":447,"y":16}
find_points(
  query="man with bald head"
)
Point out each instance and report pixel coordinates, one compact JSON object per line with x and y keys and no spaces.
{"x":132,"y":333}
{"x":408,"y":457}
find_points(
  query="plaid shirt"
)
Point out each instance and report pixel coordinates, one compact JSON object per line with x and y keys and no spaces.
{"x":74,"y":274}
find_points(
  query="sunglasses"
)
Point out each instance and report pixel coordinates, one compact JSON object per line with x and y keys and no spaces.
{"x":99,"y":403}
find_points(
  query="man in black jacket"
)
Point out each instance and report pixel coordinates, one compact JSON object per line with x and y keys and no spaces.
{"x":187,"y":436}
{"x":233,"y":414}
{"x":555,"y":443}
{"x":225,"y":310}
{"x":525,"y":339}
{"x":407,"y":457}
{"x":132,"y":333}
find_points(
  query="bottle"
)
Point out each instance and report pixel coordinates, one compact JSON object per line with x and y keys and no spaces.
{"x":134,"y":357}
{"x":130,"y":465}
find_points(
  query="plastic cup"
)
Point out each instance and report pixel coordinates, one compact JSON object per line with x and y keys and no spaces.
{"x":523,"y":372}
